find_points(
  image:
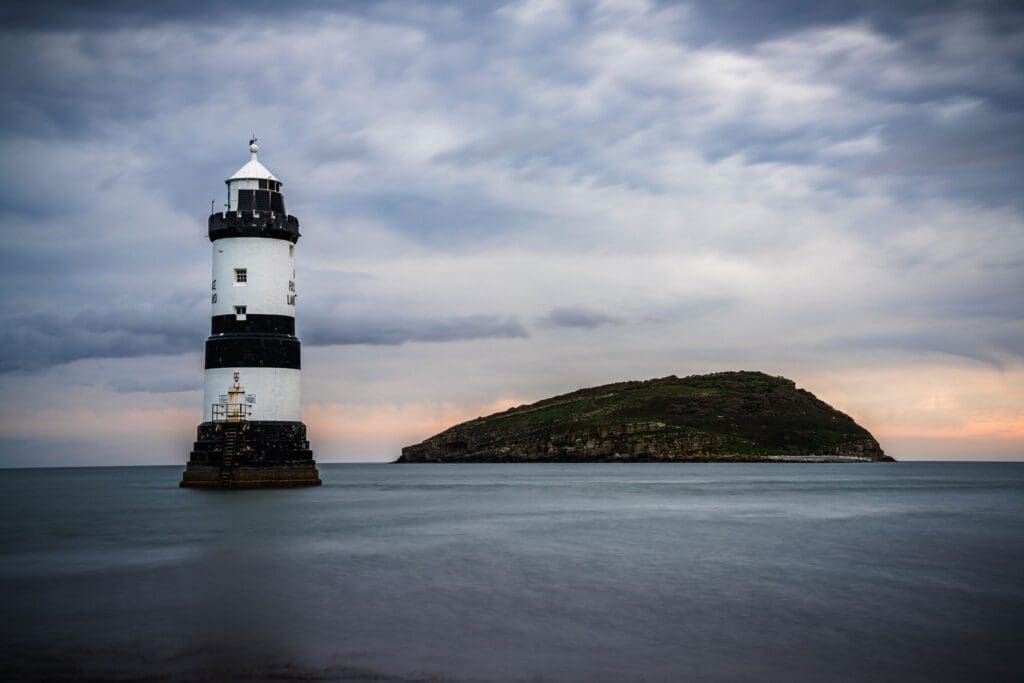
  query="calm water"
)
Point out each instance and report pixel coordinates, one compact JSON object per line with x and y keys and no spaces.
{"x":911,"y":571}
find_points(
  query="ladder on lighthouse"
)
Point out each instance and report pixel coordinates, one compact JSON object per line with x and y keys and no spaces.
{"x":232,"y":415}
{"x":230,"y":443}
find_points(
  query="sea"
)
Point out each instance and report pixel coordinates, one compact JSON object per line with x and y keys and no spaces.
{"x":519,"y":572}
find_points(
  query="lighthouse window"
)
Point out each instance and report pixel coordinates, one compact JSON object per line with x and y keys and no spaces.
{"x":276,"y":202}
{"x":239,"y":312}
{"x":245,"y":200}
{"x":263,"y":184}
{"x":241,"y":276}
{"x":262,"y":200}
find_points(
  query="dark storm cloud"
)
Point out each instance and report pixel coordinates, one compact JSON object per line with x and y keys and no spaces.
{"x":88,"y":79}
{"x":35,"y":342}
{"x":103,"y":14}
{"x":38,"y":341}
{"x":454,"y":218}
{"x":379,"y":331}
{"x":977,"y":160}
{"x":939,"y":89}
{"x":925,"y":96}
{"x":741,"y":22}
{"x":737,"y":21}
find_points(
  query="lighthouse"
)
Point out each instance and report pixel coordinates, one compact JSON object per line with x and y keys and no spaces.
{"x":252,"y":434}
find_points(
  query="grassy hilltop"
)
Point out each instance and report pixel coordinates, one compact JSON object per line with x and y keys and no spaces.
{"x":725,"y":416}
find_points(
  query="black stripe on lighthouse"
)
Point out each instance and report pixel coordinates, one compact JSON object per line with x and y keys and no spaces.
{"x":253,"y":351}
{"x":254,"y":323}
{"x":253,"y":224}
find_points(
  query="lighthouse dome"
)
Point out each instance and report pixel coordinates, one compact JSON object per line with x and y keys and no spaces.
{"x":253,"y":187}
{"x":253,"y":169}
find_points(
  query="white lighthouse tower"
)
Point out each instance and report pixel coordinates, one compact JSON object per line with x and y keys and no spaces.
{"x":252,"y":434}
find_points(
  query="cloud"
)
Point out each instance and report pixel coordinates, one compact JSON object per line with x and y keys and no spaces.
{"x":454,"y":219}
{"x":998,"y":347}
{"x":574,"y":316}
{"x":773,"y":184}
{"x":157,"y":385}
{"x":393,"y":331}
{"x":37,"y":341}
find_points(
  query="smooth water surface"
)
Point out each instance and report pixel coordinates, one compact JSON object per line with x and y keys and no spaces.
{"x":911,"y":571}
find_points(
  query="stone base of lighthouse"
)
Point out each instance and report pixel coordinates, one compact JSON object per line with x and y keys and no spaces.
{"x":250,"y":454}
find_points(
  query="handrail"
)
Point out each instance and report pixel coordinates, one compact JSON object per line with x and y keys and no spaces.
{"x":232,"y":412}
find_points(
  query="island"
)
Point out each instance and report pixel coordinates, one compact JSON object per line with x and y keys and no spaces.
{"x":720,"y":417}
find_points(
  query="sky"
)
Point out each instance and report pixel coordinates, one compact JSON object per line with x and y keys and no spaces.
{"x":501,"y":202}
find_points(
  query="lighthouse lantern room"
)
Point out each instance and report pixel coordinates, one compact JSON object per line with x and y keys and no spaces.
{"x":252,"y":434}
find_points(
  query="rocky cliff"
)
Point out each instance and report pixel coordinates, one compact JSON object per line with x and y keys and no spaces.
{"x":721,"y":417}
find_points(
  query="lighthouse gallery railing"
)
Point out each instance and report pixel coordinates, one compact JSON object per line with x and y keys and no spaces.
{"x":238,"y":412}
